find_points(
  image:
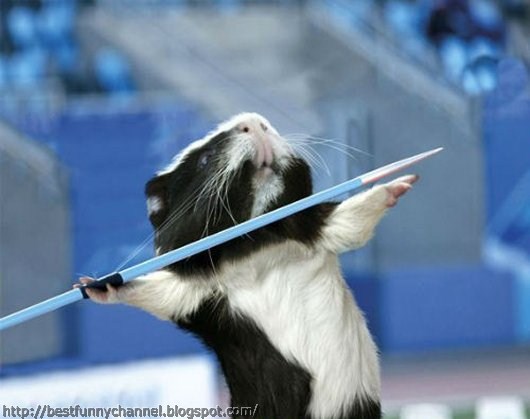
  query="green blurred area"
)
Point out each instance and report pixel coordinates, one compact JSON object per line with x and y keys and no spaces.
{"x":460,"y":414}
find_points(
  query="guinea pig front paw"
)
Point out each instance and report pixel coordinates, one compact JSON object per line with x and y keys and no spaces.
{"x":399,"y":187}
{"x":109,"y":296}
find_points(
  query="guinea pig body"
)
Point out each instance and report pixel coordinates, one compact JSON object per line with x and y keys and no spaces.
{"x":273,"y":304}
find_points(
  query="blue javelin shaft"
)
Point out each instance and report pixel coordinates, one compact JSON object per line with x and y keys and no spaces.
{"x":216,"y":239}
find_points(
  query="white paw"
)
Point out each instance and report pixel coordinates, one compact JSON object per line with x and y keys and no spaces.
{"x":399,"y":187}
{"x":103,"y":297}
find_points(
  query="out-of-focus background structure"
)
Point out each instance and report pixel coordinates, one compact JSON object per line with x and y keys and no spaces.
{"x":95,"y":96}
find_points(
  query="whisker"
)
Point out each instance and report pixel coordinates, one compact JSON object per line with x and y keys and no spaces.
{"x":175,"y":214}
{"x":322,"y":140}
{"x":312,"y":156}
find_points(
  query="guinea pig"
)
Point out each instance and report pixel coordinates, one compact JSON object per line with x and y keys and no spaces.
{"x":273,"y":304}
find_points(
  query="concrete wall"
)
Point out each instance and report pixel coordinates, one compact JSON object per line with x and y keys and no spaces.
{"x":34,"y":246}
{"x":363,"y":104}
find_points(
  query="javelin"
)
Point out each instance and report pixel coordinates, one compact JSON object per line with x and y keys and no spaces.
{"x":161,"y":261}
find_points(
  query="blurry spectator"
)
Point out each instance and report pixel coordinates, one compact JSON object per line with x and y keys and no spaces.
{"x":465,"y":20}
{"x":469,"y":36}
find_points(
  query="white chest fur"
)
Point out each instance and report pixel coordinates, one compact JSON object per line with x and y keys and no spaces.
{"x":300,"y":300}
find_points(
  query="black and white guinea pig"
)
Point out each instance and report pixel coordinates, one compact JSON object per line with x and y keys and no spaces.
{"x":273,"y":304}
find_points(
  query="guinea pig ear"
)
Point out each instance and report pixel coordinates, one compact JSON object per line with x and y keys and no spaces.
{"x":156,"y":191}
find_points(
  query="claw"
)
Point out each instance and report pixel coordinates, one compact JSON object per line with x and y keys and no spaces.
{"x":398,"y":188}
{"x":86,"y":280}
{"x":96,"y":295}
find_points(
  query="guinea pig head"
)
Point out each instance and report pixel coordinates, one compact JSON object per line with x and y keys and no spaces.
{"x":242,"y":169}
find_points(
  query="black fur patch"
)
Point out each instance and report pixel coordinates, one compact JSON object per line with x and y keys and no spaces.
{"x":255,"y":371}
{"x":368,"y":409}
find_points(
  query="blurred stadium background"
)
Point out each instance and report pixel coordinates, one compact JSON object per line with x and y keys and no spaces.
{"x":95,"y":96}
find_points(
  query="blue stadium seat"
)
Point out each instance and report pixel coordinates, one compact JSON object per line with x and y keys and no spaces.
{"x":27,"y":68}
{"x":55,"y":22}
{"x":66,"y":55}
{"x":112,"y":71}
{"x":402,"y":17}
{"x":453,"y":54}
{"x":481,"y":75}
{"x":20,"y":22}
{"x":486,"y":14}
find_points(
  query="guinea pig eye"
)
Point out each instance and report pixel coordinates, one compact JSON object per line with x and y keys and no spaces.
{"x":204,"y":159}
